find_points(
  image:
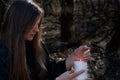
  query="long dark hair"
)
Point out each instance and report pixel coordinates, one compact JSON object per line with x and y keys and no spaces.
{"x":20,"y":17}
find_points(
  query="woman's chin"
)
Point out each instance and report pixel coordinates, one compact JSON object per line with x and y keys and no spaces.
{"x":29,"y":39}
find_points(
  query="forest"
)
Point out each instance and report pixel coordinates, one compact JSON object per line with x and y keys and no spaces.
{"x":67,"y":24}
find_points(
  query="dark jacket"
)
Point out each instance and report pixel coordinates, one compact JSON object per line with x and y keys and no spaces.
{"x":54,"y":68}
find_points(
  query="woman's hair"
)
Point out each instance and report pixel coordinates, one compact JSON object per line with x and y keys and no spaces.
{"x":21,"y":17}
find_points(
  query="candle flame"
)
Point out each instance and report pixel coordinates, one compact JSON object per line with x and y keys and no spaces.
{"x":81,"y":60}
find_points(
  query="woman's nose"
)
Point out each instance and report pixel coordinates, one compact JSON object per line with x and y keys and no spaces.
{"x":36,"y":29}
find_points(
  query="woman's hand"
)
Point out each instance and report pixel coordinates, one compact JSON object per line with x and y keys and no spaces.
{"x":81,"y":53}
{"x":69,"y":75}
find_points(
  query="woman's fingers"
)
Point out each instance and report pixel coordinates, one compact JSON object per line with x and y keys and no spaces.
{"x":72,"y":71}
{"x":82,"y":49}
{"x":87,"y":79}
{"x":75,"y":74}
{"x":86,"y":55}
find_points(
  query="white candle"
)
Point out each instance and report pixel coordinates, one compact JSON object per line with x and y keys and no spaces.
{"x":81,"y":65}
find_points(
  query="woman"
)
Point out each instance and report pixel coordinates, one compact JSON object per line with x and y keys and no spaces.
{"x":21,"y":55}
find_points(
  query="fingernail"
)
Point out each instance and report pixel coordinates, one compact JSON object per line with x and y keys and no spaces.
{"x":87,"y":51}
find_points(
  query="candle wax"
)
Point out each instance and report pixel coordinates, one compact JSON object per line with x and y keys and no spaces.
{"x":81,"y":65}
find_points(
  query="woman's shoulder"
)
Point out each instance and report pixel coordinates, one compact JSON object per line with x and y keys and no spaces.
{"x":3,"y":48}
{"x":3,"y":51}
{"x":4,"y":62}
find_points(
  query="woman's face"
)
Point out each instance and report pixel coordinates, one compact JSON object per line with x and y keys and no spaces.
{"x":31,"y":33}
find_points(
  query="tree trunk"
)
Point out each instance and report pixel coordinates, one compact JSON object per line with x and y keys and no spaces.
{"x":66,"y":19}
